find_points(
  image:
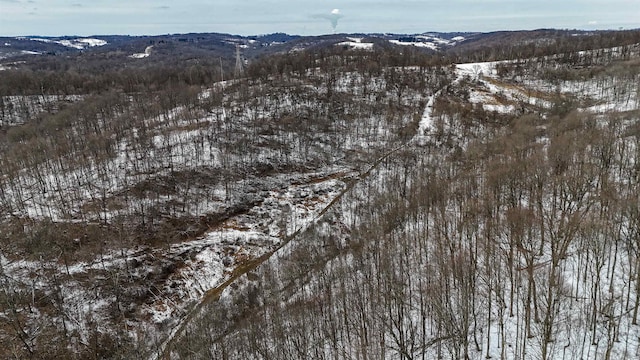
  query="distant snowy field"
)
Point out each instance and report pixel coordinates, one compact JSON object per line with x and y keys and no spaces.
{"x":79,"y":43}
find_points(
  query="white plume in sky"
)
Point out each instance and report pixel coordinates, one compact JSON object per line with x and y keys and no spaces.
{"x":333,"y":17}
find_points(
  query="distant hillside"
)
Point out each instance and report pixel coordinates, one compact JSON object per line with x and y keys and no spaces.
{"x":113,"y":51}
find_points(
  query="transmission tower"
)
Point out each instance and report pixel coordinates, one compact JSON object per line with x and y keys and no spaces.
{"x":239,"y":65}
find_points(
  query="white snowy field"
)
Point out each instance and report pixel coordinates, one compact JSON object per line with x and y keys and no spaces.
{"x":78,"y":43}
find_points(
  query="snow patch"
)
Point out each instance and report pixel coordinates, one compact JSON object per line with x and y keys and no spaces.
{"x":356,"y":43}
{"x":79,"y":43}
{"x":428,"y":41}
{"x":491,"y":93}
{"x":146,"y":53}
{"x":416,"y":44}
{"x":92,"y":42}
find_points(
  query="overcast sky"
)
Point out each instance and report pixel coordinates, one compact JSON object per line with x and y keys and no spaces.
{"x":307,"y":17}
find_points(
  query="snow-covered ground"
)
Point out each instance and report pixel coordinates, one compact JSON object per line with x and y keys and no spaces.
{"x":309,"y":167}
{"x":427,"y":41}
{"x":498,"y":95}
{"x":79,"y":43}
{"x":286,"y":202}
{"x":494,"y":94}
{"x":204,"y":263}
{"x":356,"y":43}
{"x":18,"y":110}
{"x":588,"y":293}
{"x":146,"y":53}
{"x":601,"y":93}
{"x":422,"y":44}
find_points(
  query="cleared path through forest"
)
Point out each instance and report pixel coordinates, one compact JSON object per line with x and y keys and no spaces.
{"x":213,"y":295}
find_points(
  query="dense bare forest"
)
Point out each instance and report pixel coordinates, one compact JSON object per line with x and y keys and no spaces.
{"x":326,"y":204}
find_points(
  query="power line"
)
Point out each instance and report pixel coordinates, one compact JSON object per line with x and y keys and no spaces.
{"x":239,"y":65}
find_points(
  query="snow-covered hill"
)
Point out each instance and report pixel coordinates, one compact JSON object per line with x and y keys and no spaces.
{"x":79,"y":43}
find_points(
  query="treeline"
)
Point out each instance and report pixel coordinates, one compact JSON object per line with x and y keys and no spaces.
{"x":539,"y":43}
{"x":129,"y":80}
